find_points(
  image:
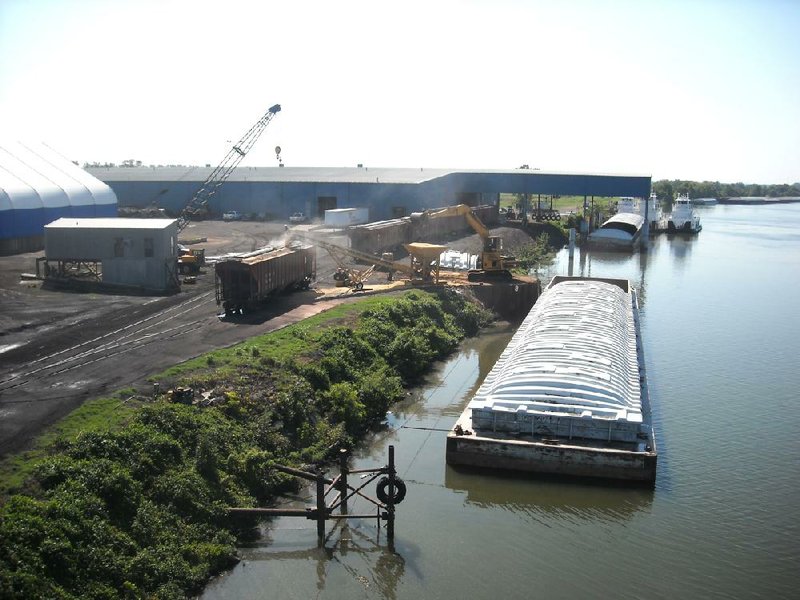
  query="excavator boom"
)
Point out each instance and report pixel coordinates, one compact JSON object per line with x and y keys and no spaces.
{"x":494,"y":264}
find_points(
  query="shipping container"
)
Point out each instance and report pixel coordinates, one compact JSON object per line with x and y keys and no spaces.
{"x":346,"y":217}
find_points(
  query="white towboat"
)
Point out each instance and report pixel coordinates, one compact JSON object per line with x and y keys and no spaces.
{"x":683,"y":218}
{"x":651,"y":209}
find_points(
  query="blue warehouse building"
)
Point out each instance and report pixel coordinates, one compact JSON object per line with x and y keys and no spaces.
{"x":277,"y":192}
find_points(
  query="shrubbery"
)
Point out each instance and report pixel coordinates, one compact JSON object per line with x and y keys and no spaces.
{"x":140,"y":511}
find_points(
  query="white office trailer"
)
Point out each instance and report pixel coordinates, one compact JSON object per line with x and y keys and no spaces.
{"x":137,"y":253}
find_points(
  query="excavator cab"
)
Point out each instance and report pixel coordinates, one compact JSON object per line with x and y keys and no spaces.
{"x":493,"y":244}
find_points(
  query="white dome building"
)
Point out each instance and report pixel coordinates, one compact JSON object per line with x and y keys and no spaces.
{"x":38,"y":186}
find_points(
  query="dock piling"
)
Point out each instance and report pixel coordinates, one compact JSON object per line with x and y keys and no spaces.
{"x":323,"y":509}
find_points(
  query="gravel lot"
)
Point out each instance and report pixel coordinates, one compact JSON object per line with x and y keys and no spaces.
{"x":59,"y":348}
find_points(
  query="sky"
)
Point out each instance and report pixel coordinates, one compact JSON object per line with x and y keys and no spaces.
{"x":676,"y":89}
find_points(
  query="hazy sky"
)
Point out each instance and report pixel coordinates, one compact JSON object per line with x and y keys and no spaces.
{"x":688,"y":89}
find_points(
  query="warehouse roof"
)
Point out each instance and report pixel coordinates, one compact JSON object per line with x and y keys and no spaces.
{"x":316,"y":174}
{"x":272,"y":174}
{"x":33,"y":175}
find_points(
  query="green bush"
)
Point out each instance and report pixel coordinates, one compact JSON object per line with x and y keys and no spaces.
{"x":139,"y":511}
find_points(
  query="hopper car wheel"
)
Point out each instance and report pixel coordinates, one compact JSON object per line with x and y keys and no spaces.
{"x":399,"y":490}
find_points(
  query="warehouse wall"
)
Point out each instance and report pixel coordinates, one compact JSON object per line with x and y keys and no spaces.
{"x":277,"y":200}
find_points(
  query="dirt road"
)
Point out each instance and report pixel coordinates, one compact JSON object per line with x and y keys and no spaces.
{"x":59,"y":348}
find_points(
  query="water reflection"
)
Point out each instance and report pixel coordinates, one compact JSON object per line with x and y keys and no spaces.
{"x":591,"y":262}
{"x":350,"y":558}
{"x":545,"y":499}
{"x":680,"y":246}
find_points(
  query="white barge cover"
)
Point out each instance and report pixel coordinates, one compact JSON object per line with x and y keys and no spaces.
{"x":573,"y":369}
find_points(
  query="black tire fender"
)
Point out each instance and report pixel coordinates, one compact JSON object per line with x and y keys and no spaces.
{"x":399,"y":490}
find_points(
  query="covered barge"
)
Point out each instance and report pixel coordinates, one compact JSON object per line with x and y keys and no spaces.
{"x":568,"y":395}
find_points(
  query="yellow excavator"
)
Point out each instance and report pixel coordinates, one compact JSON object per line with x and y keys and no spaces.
{"x":492,"y":265}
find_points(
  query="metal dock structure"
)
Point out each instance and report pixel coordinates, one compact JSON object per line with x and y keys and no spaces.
{"x":569,"y":395}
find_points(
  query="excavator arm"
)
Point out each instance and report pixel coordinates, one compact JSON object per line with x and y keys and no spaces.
{"x":494,"y":264}
{"x":458,"y":210}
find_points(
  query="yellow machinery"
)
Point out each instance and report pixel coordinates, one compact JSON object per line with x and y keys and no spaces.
{"x":492,"y":265}
{"x":424,"y":262}
{"x":190,"y":261}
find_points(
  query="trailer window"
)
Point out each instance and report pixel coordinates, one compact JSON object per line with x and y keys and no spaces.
{"x":148,"y":247}
{"x":119,"y":247}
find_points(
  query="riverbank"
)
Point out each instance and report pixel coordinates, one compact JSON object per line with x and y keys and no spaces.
{"x":722,"y":520}
{"x":138,"y":507}
{"x":756,"y":200}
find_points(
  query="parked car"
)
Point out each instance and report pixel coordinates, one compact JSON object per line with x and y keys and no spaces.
{"x":232,"y":215}
{"x":298,"y":218}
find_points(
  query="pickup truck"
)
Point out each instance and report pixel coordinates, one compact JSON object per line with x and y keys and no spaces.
{"x":232,"y":215}
{"x":298,"y":218}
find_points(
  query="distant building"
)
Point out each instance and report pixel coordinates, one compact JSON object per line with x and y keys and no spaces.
{"x":278,"y":192}
{"x":38,"y":186}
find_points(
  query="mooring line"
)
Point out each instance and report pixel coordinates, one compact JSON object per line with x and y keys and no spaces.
{"x":434,"y":428}
{"x":424,"y":428}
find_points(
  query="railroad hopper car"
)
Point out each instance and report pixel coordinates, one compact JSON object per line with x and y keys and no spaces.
{"x":389,"y":236}
{"x":243,"y":284}
{"x":380,"y":236}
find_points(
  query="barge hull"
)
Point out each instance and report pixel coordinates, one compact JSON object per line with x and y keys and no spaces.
{"x":568,"y":395}
{"x":551,"y":459}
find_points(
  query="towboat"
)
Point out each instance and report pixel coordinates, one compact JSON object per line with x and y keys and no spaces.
{"x":683,"y":218}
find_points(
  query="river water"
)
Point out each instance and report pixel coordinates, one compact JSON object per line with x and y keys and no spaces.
{"x":722,"y":343}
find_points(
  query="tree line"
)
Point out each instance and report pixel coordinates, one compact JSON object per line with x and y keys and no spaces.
{"x":667,"y":189}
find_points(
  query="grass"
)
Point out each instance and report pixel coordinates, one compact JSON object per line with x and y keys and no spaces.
{"x":109,"y":413}
{"x":277,"y":345}
{"x":94,"y":415}
{"x":562,"y":203}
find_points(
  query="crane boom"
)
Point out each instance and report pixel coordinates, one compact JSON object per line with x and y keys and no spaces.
{"x":223,"y":170}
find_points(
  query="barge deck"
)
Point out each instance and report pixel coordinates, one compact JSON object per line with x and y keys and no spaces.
{"x":569,"y":395}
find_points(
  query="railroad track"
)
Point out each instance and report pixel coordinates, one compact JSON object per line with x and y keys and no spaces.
{"x":160,"y":326}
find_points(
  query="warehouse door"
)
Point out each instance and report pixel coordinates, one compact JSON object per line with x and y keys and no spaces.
{"x":325,"y":203}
